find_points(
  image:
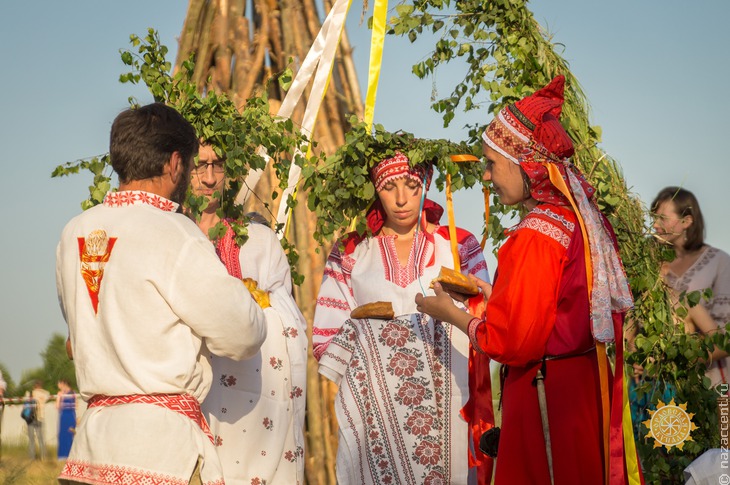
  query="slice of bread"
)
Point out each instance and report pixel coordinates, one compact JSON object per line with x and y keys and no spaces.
{"x":455,"y":281}
{"x":382,"y":310}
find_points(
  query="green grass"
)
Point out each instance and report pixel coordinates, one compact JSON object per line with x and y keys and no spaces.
{"x":17,"y":469}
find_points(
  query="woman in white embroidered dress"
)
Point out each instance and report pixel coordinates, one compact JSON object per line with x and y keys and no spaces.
{"x":256,"y":407}
{"x":402,"y":382}
{"x":696,"y":267}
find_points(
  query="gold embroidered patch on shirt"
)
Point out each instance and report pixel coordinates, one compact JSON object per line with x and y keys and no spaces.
{"x":94,"y":252}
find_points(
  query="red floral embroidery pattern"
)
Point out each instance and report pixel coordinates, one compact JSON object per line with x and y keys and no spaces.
{"x":395,"y":447}
{"x":227,"y":381}
{"x":412,"y":394}
{"x":428,"y":453}
{"x":114,"y":475}
{"x":419,"y":423}
{"x":276,"y":363}
{"x":435,"y":478}
{"x":125,"y":198}
{"x":395,"y":335}
{"x":293,"y":455}
{"x":403,"y":364}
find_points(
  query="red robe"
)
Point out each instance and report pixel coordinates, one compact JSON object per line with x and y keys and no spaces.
{"x":539,"y":307}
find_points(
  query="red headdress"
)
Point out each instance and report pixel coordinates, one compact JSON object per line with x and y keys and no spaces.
{"x":529,"y":132}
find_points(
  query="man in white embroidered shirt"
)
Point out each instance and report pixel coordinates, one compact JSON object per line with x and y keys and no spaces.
{"x":145,"y":297}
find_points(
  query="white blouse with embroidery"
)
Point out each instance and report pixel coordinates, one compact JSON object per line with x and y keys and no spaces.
{"x":404,"y":381}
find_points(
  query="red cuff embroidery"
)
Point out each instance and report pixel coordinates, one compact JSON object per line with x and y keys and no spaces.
{"x":472,"y":331}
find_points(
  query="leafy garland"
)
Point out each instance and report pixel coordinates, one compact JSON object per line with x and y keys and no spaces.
{"x":341,"y":191}
{"x":237,"y":136}
{"x":507,"y":55}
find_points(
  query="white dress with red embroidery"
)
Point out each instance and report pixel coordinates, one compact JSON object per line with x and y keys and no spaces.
{"x":256,"y":406}
{"x":404,"y":381}
{"x":143,"y":293}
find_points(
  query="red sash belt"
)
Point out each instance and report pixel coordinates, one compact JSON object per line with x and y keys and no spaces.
{"x":184,"y":404}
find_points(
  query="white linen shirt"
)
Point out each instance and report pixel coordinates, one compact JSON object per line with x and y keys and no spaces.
{"x":163,"y":299}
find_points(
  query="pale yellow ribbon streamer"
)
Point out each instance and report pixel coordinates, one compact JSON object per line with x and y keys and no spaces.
{"x":452,"y":224}
{"x":377,"y":41}
{"x":318,"y":62}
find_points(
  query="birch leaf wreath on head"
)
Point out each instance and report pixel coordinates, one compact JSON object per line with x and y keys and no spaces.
{"x":340,"y":190}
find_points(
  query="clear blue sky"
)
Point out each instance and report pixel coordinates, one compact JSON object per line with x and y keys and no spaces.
{"x":655,"y":73}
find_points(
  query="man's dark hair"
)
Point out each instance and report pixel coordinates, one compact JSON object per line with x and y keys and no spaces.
{"x":686,"y":204}
{"x":143,"y":139}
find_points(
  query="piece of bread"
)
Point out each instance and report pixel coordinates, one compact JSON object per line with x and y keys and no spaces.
{"x":455,"y":281}
{"x":260,"y":296}
{"x":382,"y":310}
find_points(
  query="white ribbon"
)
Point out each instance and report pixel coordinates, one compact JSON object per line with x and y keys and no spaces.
{"x":318,"y":62}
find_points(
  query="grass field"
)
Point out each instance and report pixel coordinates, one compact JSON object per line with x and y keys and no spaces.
{"x":17,"y":469}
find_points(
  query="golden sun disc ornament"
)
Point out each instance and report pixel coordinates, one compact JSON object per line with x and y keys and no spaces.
{"x":670,"y":425}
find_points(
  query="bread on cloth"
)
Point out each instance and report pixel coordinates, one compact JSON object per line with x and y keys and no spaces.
{"x":382,"y":310}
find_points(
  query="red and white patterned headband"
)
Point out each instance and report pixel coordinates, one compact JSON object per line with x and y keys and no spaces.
{"x":398,"y":167}
{"x":507,"y":135}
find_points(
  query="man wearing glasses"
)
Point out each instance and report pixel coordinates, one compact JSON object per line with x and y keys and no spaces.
{"x":255,"y":407}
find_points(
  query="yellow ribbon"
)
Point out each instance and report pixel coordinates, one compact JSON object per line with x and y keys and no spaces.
{"x":605,"y":404}
{"x":452,"y":224}
{"x":380,"y":12}
{"x":485,"y":191}
{"x":450,"y":208}
{"x":632,"y":466}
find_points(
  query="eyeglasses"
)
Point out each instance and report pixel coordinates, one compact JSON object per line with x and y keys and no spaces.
{"x":202,"y":168}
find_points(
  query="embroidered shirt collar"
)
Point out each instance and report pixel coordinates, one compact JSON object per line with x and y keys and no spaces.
{"x":125,"y":198}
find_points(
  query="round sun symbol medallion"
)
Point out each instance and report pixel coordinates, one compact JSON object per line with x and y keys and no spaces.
{"x":670,"y":425}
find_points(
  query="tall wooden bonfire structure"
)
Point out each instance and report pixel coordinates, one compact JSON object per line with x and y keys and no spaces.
{"x":239,"y":45}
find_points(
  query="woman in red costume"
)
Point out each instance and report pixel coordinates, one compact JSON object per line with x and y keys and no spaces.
{"x":559,"y":296}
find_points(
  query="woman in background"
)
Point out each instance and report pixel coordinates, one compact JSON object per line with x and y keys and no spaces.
{"x":66,"y":405}
{"x":695,"y":267}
